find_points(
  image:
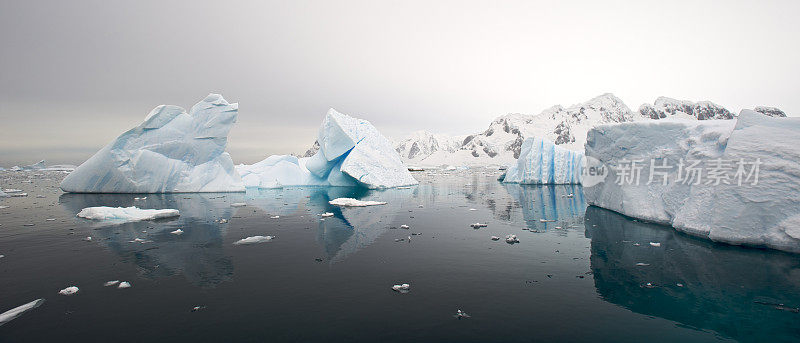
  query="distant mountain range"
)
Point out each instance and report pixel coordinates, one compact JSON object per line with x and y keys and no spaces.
{"x":500,"y":144}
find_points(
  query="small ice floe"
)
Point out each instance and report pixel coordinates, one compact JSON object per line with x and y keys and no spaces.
{"x":198,"y":308}
{"x":132,"y":213}
{"x":399,"y":239}
{"x":649,"y":285}
{"x":12,"y":190}
{"x":1,"y":256}
{"x":238,"y":204}
{"x":404,"y":226}
{"x":69,"y":290}
{"x":641,"y":264}
{"x":3,"y":207}
{"x":461,"y":314}
{"x":478,"y":225}
{"x":326,"y":215}
{"x":636,"y":244}
{"x":124,"y":284}
{"x":88,"y":239}
{"x":473,"y":209}
{"x":139,"y":240}
{"x":50,"y":219}
{"x":350,"y":202}
{"x":655,"y":244}
{"x":253,"y":240}
{"x":17,"y":195}
{"x":511,"y":239}
{"x":177,"y":232}
{"x":110,"y":283}
{"x":9,"y":315}
{"x":679,"y":284}
{"x":495,"y":238}
{"x":142,"y":198}
{"x":547,"y":220}
{"x":222,"y":221}
{"x":41,"y":196}
{"x":402,"y":288}
{"x":274,"y":217}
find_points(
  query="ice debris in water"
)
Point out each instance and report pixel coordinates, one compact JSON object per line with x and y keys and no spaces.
{"x":238,"y":204}
{"x":170,"y":151}
{"x":110,"y":283}
{"x":88,"y":238}
{"x":461,"y":314}
{"x":511,"y":239}
{"x":9,"y":315}
{"x":222,"y":221}
{"x":495,"y":238}
{"x":142,"y":198}
{"x":177,"y":232}
{"x":254,"y":240}
{"x":124,"y":284}
{"x":12,"y":190}
{"x":350,"y":202}
{"x":402,"y":288}
{"x":326,"y":214}
{"x":642,"y":264}
{"x":478,"y":225}
{"x":655,"y":244}
{"x":69,"y":290}
{"x":405,"y":227}
{"x":349,"y":152}
{"x":274,"y":217}
{"x":132,"y":213}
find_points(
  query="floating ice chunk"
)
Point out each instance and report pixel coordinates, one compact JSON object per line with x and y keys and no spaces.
{"x":726,"y":206}
{"x":461,"y":314}
{"x":326,"y":214}
{"x":402,"y":288}
{"x":641,"y":264}
{"x":238,"y":204}
{"x":125,"y":214}
{"x":542,"y":162}
{"x":50,"y":219}
{"x":88,"y":239}
{"x":351,"y":152}
{"x":171,"y":151}
{"x":110,"y":283}
{"x":18,"y":195}
{"x":177,"y":232}
{"x":274,"y":217}
{"x":473,"y":209}
{"x":511,"y":239}
{"x":12,"y":190}
{"x":254,"y":240}
{"x":655,"y":244}
{"x":9,"y":315}
{"x":3,"y":206}
{"x":350,"y":202}
{"x":478,"y":225}
{"x":547,"y":220}
{"x":69,"y":290}
{"x":405,"y":227}
{"x":142,"y":198}
{"x":124,"y":284}
{"x":495,"y":238}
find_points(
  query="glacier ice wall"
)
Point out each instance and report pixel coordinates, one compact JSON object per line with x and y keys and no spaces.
{"x":765,"y":214}
{"x":542,"y":162}
{"x":171,"y":151}
{"x":351,"y":153}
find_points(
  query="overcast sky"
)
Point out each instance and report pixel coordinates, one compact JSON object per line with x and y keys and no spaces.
{"x":75,"y":74}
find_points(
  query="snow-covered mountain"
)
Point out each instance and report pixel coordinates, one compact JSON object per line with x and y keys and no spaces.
{"x":667,"y":107}
{"x":567,"y":127}
{"x":500,"y":144}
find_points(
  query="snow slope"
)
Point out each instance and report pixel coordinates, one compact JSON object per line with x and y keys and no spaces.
{"x":171,"y":151}
{"x":349,"y":152}
{"x":765,"y":214}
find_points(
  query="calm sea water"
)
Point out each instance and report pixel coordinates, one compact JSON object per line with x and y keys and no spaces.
{"x":581,"y":275}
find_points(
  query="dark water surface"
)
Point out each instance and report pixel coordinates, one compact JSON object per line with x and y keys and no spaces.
{"x":575,"y":279}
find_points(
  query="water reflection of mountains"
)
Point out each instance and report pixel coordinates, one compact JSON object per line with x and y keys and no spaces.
{"x":200,"y":253}
{"x":730,"y":290}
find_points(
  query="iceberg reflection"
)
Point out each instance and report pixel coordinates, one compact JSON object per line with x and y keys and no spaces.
{"x":197,"y":253}
{"x":736,"y":292}
{"x":548,"y":206}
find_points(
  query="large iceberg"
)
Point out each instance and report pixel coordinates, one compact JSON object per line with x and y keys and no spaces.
{"x":729,"y":181}
{"x":171,"y":151}
{"x":542,"y":162}
{"x":351,"y":153}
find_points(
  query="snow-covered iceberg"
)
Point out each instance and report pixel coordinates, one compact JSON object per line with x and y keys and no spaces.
{"x":171,"y":151}
{"x":351,"y":153}
{"x":542,"y":162}
{"x":729,"y":181}
{"x":125,"y":214}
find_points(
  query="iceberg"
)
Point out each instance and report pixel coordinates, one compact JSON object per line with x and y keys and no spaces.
{"x":724,"y":180}
{"x":351,"y":152}
{"x":125,"y":214}
{"x":171,"y":151}
{"x":542,"y":162}
{"x":13,"y":313}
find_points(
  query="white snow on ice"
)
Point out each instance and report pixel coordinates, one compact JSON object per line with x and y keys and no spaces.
{"x":125,"y":214}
